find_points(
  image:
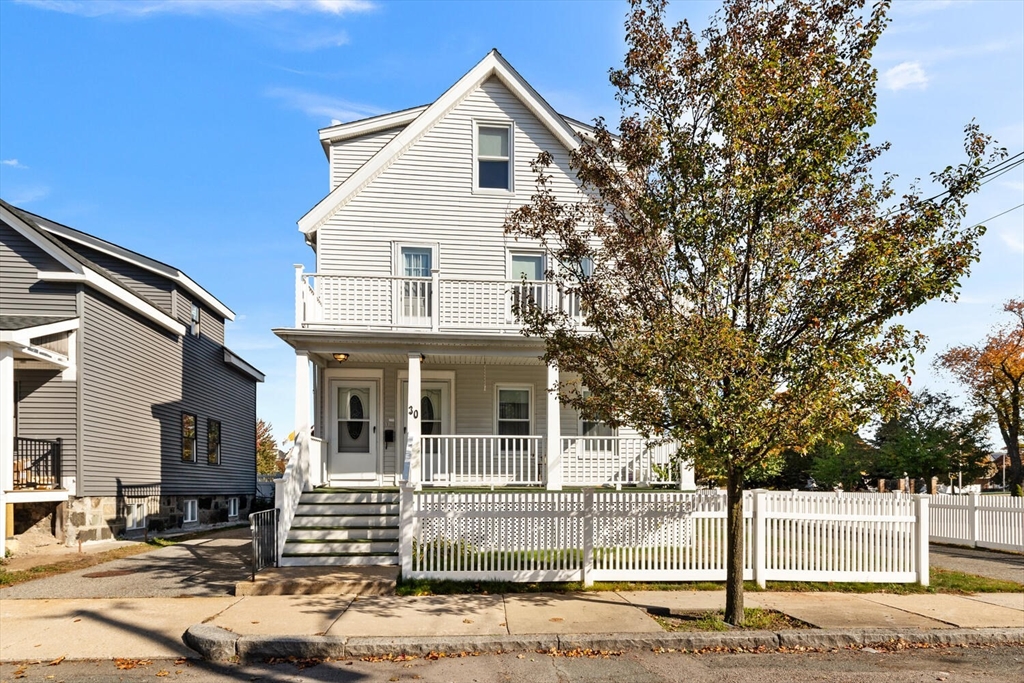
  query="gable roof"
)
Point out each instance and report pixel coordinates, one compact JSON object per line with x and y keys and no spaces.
{"x":80,"y":269}
{"x":493,"y":65}
{"x":67,"y":234}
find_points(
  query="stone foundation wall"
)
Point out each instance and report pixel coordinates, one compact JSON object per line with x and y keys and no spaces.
{"x":94,"y":518}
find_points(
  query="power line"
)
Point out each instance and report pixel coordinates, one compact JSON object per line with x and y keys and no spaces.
{"x":992,"y":218}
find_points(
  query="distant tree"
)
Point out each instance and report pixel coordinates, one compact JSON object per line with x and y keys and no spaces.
{"x":736,"y":264}
{"x":845,"y":460}
{"x":266,"y":448}
{"x":993,"y":372}
{"x":933,"y":437}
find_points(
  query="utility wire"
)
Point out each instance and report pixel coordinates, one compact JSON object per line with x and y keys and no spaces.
{"x":992,"y":218}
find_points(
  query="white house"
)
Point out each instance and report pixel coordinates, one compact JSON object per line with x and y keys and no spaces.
{"x":412,"y":296}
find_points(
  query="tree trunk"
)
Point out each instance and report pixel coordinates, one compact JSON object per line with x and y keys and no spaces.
{"x":734,"y":549}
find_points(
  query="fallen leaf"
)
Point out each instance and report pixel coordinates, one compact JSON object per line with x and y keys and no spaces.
{"x":467,"y":621}
{"x":162,"y":672}
{"x":75,"y":621}
{"x":556,"y":619}
{"x":57,"y":661}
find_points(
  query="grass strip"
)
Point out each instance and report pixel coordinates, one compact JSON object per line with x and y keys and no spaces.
{"x":942,"y":581}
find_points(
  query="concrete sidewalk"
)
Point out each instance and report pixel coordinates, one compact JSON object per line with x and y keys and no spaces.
{"x":344,"y":625}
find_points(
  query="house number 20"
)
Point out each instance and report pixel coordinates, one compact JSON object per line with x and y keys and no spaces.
{"x":415,"y":413}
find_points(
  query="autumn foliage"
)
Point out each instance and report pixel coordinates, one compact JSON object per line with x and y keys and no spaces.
{"x":993,"y":372}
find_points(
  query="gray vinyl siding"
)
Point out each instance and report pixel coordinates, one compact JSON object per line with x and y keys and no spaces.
{"x":349,"y":155}
{"x":211,"y":325}
{"x":47,"y":409}
{"x":427,"y":194}
{"x":137,"y":379}
{"x":21,"y":292}
{"x":155,"y":288}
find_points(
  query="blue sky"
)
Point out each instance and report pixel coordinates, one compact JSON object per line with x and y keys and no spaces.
{"x":187,"y":130}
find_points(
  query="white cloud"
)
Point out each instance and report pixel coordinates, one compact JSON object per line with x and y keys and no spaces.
{"x":13,"y":163}
{"x":322,"y":106}
{"x":145,"y":8}
{"x":26,"y":194}
{"x":905,"y":75}
{"x":1012,"y":241}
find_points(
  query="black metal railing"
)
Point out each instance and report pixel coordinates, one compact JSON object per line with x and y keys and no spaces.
{"x":36,"y":463}
{"x":263,"y":526}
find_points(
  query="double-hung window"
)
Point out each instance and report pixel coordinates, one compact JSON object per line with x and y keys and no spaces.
{"x":213,"y":442}
{"x":188,"y":437}
{"x":514,"y":411}
{"x":494,"y":157}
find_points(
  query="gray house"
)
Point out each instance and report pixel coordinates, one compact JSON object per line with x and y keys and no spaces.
{"x":121,"y":410}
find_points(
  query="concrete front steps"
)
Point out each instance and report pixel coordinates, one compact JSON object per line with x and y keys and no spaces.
{"x":343,"y":528}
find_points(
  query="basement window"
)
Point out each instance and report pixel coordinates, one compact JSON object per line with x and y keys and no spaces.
{"x":191,"y":511}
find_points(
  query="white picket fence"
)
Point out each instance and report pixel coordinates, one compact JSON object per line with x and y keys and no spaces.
{"x":978,"y":521}
{"x":661,"y":536}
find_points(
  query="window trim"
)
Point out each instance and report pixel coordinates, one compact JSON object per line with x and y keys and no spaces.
{"x":195,"y":436}
{"x":195,"y":319}
{"x":526,"y":251}
{"x":140,"y":520}
{"x":191,"y":504}
{"x":498,"y":388}
{"x":233,"y":503}
{"x":220,"y":440}
{"x":494,"y":123}
{"x":397,"y":267}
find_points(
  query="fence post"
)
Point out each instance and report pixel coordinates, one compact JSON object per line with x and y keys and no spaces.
{"x":406,"y":526}
{"x":972,"y":518}
{"x":921,"y":540}
{"x":587,"y":570}
{"x":758,"y":526}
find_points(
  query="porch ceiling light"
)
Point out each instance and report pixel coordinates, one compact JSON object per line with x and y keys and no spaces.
{"x":340,"y":357}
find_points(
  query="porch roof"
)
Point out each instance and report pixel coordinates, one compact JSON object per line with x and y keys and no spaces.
{"x":399,"y":346}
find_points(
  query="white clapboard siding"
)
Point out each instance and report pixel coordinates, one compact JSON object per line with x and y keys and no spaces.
{"x":348,"y":155}
{"x":427,"y":195}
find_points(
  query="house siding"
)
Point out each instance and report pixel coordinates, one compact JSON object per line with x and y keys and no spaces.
{"x":211,"y":324}
{"x":346,"y":156}
{"x":47,"y":409}
{"x":137,"y":380}
{"x":427,"y":195}
{"x":155,"y":288}
{"x":21,"y":292}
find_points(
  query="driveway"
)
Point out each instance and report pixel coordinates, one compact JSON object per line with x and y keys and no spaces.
{"x":200,"y":567}
{"x":989,"y":563}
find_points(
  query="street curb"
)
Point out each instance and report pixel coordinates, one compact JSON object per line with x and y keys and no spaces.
{"x":216,"y":644}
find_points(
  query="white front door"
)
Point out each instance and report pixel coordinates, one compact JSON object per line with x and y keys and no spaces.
{"x":353,"y":445}
{"x":435,"y":418}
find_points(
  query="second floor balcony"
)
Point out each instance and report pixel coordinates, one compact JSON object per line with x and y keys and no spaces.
{"x":429,"y":304}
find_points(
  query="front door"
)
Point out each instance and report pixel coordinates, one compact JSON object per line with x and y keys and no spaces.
{"x":353,"y":446}
{"x":435,"y":418}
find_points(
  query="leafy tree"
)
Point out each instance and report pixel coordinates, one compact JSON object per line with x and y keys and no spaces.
{"x":934,"y":438}
{"x":735,"y":261}
{"x":266,"y":448}
{"x":993,"y":372}
{"x":843,"y":461}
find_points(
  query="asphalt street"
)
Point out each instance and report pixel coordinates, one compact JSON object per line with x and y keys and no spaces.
{"x":976,"y":665}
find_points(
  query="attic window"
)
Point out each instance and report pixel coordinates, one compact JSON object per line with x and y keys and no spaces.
{"x":494,"y":157}
{"x":194,"y":326}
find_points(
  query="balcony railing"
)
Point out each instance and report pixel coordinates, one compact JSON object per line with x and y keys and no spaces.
{"x":36,"y":463}
{"x":428,"y":304}
{"x":482,"y":460}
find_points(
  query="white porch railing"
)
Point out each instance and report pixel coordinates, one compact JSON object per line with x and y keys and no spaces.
{"x":289,"y":487}
{"x":669,"y":536}
{"x":489,"y":460}
{"x":978,"y":521}
{"x":433,"y":303}
{"x":616,"y":460}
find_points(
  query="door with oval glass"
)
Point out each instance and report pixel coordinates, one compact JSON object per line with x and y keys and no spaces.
{"x":435,"y":418}
{"x":353,"y":447}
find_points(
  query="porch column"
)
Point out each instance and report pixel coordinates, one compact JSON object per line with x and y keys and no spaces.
{"x":6,"y":438}
{"x":412,"y":470}
{"x":553,"y":447}
{"x":302,"y":422}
